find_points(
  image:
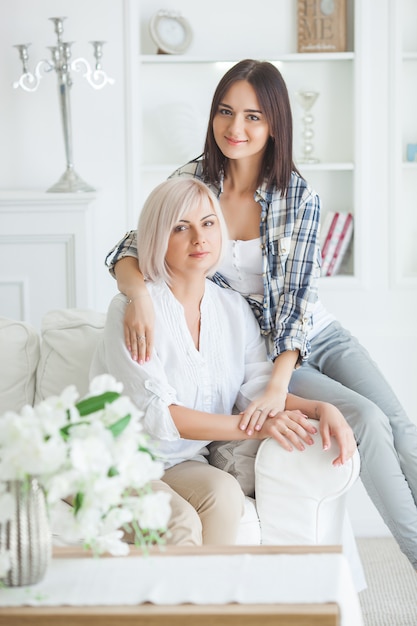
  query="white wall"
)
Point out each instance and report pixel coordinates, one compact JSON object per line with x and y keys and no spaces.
{"x":31,"y":145}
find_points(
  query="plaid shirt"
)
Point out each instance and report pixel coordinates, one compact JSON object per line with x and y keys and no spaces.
{"x":289,"y":232}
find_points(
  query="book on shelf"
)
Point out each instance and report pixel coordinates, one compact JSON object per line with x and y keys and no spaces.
{"x":321,"y":25}
{"x":336,"y":235}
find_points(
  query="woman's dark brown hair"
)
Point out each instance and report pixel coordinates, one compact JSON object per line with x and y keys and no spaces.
{"x":272,"y":94}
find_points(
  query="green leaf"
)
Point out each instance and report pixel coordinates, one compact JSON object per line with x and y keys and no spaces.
{"x":64,"y":432}
{"x":113,"y":471}
{"x":78,"y":502}
{"x":118,"y":427}
{"x":143,"y":449}
{"x":96,"y":403}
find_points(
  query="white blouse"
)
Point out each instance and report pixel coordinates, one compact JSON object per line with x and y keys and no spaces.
{"x":229,"y":369}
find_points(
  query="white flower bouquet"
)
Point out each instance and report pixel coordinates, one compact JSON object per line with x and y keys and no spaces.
{"x":92,"y":451}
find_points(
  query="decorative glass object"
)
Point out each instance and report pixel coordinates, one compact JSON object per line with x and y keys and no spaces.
{"x":306,"y":100}
{"x":26,"y":537}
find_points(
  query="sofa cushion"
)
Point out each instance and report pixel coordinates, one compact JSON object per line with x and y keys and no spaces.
{"x":19,"y":354}
{"x":68,"y":341}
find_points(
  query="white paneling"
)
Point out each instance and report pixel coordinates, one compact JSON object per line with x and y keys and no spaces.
{"x":14,"y":297}
{"x":46,"y":241}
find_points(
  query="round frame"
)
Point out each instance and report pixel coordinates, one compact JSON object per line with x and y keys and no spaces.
{"x":164,"y":47}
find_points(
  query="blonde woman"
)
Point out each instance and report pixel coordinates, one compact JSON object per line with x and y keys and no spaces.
{"x":209,"y":359}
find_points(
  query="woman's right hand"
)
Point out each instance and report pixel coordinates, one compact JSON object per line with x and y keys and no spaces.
{"x":291,"y":429}
{"x":139,"y":321}
{"x":138,"y":327}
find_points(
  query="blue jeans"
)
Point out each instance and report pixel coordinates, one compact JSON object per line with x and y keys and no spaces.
{"x":342,"y":372}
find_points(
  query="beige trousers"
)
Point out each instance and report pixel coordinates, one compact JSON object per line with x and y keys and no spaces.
{"x":207,"y":504}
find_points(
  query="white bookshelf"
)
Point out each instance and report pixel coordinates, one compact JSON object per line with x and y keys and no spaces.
{"x":171,"y":95}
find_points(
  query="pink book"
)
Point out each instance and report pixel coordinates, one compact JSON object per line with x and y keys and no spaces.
{"x":331,"y":241}
{"x":342,"y":244}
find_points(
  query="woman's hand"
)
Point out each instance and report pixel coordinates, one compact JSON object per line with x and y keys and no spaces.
{"x":333,"y":424}
{"x":289,"y":428}
{"x":138,"y":327}
{"x":274,"y":397}
{"x":267,"y":405}
{"x":138,"y":324}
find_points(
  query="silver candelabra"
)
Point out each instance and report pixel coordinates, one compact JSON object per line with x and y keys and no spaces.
{"x":70,"y":181}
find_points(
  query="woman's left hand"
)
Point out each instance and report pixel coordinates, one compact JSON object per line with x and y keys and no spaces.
{"x":267,"y":405}
{"x":333,"y":424}
{"x":296,"y":428}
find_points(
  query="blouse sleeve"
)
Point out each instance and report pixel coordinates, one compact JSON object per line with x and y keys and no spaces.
{"x":146,"y":384}
{"x":127,"y":246}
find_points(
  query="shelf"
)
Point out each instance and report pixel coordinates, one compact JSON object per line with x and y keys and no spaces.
{"x":286,"y":58}
{"x":325,"y":167}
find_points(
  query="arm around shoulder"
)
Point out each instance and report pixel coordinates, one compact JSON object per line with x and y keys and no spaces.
{"x":126,"y":247}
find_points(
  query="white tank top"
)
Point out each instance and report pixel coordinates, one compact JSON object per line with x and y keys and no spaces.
{"x":242,"y":268}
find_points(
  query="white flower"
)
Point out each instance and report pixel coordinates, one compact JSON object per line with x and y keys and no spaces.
{"x":94,"y":452}
{"x":153,"y":510}
{"x":61,"y":485}
{"x":91,"y":455}
{"x":28,"y":451}
{"x":111,"y":543}
{"x":104,"y":382}
{"x":142,"y":469}
{"x":117,"y":518}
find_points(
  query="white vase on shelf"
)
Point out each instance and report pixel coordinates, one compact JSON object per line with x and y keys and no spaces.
{"x":307,"y":99}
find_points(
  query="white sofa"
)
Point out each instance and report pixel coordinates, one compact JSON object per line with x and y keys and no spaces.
{"x":307,"y":508}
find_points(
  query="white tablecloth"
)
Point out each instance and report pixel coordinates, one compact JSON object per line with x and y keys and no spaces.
{"x":213,"y":579}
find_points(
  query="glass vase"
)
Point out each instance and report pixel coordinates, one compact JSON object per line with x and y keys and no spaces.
{"x":27,"y":536}
{"x":306,"y":100}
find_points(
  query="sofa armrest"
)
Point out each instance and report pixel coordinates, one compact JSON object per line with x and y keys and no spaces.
{"x":299,"y":494}
{"x":301,"y":499}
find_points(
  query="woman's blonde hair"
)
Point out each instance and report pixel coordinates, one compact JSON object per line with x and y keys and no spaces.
{"x":163,"y":208}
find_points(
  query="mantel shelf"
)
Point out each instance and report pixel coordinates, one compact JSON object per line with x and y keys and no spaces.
{"x":34,"y":197}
